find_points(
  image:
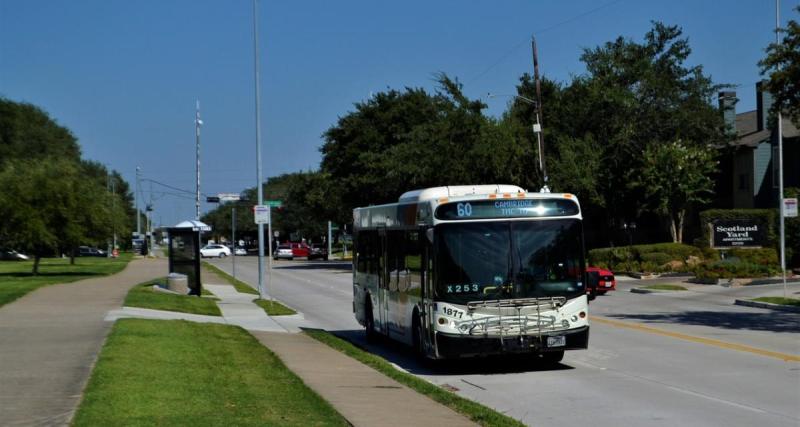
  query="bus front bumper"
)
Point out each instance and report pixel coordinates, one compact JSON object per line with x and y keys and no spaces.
{"x":457,"y":346}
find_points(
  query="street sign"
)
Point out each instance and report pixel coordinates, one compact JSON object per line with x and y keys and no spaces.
{"x":261,"y":214}
{"x":229,"y":197}
{"x":274,"y":203}
{"x":790,"y":208}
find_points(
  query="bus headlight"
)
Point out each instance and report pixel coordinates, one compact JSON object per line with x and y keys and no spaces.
{"x":575,"y":318}
{"x":565,"y":323}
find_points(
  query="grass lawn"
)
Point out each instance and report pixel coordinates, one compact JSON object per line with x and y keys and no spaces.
{"x":780,"y":300}
{"x":472,"y":410}
{"x":274,"y":308}
{"x":666,"y":287}
{"x":177,"y":373}
{"x":238,"y":284}
{"x":143,"y":296}
{"x":16,"y":279}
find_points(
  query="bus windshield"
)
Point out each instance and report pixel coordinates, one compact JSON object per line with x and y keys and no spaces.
{"x":480,"y":261}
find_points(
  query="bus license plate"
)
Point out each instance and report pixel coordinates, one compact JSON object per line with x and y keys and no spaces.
{"x":559,"y":341}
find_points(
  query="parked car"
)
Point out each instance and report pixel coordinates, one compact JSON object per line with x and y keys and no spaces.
{"x":604,"y":278}
{"x":318,"y":251}
{"x":12,"y":255}
{"x":300,"y":250}
{"x":283,"y":251}
{"x":214,"y":250}
{"x":240,"y":251}
{"x":90,"y":251}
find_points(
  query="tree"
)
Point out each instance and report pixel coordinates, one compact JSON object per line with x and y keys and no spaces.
{"x":27,"y":132}
{"x":633,"y":96}
{"x":675,"y":176}
{"x":36,"y":203}
{"x":400,"y":141}
{"x":52,"y":201}
{"x":782,"y":63}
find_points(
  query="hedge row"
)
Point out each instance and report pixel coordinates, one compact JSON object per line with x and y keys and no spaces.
{"x":655,"y":257}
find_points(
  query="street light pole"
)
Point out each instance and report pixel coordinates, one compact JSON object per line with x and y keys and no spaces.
{"x":197,"y":124}
{"x":138,"y":219}
{"x":233,"y":239}
{"x":780,"y":161}
{"x":259,"y":178}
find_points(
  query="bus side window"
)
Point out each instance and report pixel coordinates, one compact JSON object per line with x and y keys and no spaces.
{"x":413,"y":263}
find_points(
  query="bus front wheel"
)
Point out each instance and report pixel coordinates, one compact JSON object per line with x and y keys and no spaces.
{"x":419,"y":345}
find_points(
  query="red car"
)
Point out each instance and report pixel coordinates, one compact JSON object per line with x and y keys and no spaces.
{"x":604,"y":278}
{"x":300,"y":250}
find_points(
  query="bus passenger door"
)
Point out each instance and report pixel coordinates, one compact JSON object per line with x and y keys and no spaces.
{"x":427,"y":286}
{"x":383,"y":284}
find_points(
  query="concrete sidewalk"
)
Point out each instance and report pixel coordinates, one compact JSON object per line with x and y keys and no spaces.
{"x":50,"y":339}
{"x":364,"y":396}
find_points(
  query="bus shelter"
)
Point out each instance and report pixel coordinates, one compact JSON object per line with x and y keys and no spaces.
{"x":184,"y":252}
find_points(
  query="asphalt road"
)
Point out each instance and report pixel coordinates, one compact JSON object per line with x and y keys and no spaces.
{"x":689,"y":358}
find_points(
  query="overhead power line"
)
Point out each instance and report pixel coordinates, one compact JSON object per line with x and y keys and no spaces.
{"x":516,"y":47}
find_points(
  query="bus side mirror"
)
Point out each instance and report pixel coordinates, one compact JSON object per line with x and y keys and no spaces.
{"x":429,"y":234}
{"x":592,"y":280}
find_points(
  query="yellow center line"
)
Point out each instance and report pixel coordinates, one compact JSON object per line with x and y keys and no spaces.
{"x":701,"y":340}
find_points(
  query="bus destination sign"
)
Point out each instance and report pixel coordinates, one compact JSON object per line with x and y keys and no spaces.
{"x":506,"y":208}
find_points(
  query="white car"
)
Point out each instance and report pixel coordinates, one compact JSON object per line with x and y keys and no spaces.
{"x":215,"y":251}
{"x":240,"y":251}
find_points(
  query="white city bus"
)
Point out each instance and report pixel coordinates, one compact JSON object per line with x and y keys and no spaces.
{"x":466,"y":271}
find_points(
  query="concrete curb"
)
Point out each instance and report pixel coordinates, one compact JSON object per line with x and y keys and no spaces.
{"x":654,"y":291}
{"x":759,"y":304}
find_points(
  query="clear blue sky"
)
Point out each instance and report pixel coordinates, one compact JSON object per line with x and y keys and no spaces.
{"x":124,"y":75}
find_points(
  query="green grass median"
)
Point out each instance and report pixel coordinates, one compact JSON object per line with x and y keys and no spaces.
{"x":780,"y":301}
{"x":177,"y":373}
{"x":238,"y":284}
{"x":143,"y":296}
{"x":475,"y":411}
{"x":16,"y":278}
{"x":665,"y":287}
{"x":274,"y":308}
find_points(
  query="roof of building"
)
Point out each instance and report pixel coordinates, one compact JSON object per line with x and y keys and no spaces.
{"x":750,"y":136}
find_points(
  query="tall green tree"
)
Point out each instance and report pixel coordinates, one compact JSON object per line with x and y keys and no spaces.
{"x":400,"y":141}
{"x":37,"y":204}
{"x":782,"y":63}
{"x":635,"y":96}
{"x":52,"y":201}
{"x":27,"y":132}
{"x":675,"y":176}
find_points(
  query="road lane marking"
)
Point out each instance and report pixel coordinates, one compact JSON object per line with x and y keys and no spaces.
{"x":718,"y":400}
{"x":707,"y":341}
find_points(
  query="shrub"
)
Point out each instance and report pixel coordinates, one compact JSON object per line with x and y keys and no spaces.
{"x":730,"y":270}
{"x":763,"y":256}
{"x":676,"y":251}
{"x":657,"y":258}
{"x":650,"y":258}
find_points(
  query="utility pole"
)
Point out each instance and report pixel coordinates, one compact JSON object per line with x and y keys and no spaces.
{"x":233,"y":238}
{"x":537,"y":127}
{"x":197,"y":124}
{"x":138,"y":219}
{"x":113,"y":210}
{"x":259,"y":179}
{"x":780,"y":161}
